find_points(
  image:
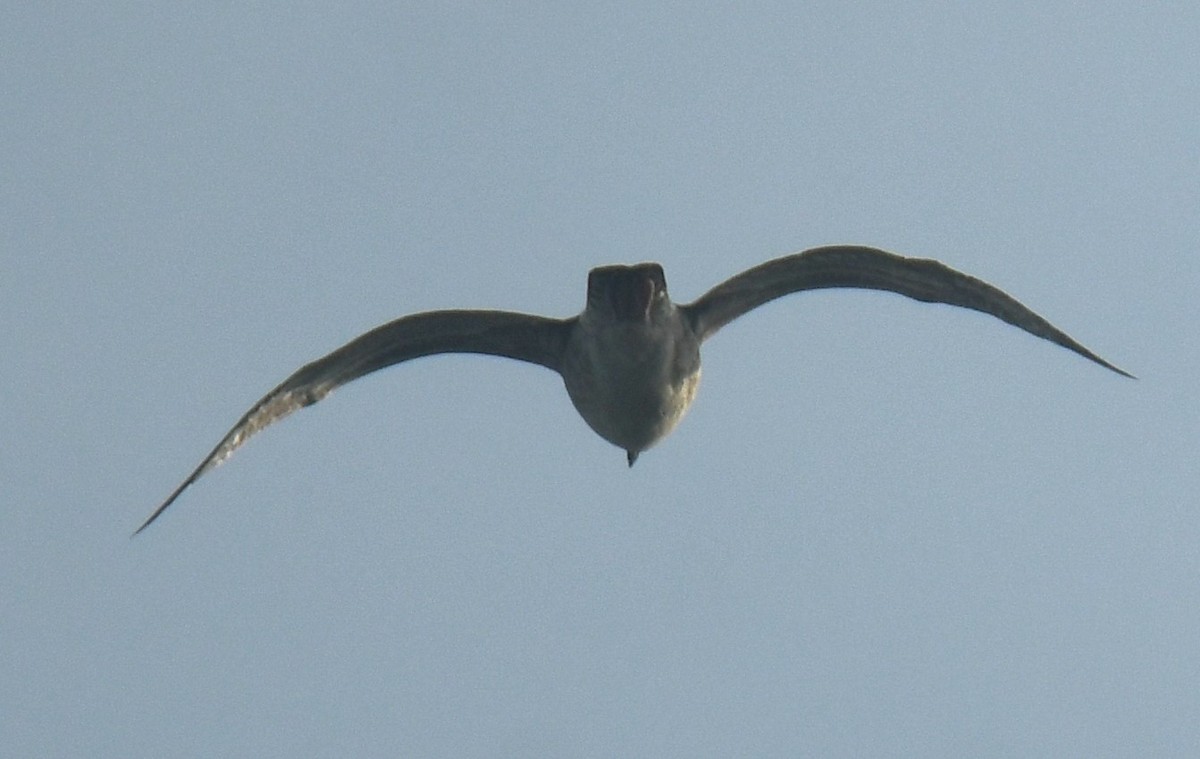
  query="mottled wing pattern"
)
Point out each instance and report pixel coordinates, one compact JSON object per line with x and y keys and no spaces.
{"x":536,"y":339}
{"x":873,"y":269}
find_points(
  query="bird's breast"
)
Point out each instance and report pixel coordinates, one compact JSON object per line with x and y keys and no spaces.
{"x":632,"y":383}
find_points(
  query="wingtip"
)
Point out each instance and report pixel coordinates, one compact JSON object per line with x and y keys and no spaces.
{"x":1110,"y":366}
{"x":1122,"y":372}
{"x":146,"y":524}
{"x":170,"y":500}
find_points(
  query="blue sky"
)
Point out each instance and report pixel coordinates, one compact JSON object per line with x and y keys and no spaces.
{"x":886,"y":528}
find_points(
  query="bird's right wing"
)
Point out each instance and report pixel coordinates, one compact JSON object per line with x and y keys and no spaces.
{"x":862,"y":267}
{"x":536,"y":339}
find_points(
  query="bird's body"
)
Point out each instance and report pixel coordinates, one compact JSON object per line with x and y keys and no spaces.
{"x":631,"y":360}
{"x":632,"y":382}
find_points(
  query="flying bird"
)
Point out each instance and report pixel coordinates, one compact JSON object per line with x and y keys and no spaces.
{"x":631,"y":359}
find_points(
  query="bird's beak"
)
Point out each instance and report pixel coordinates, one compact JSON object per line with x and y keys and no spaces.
{"x":631,"y":299}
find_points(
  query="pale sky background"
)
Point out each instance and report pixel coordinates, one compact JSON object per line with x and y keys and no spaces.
{"x":885,"y":529}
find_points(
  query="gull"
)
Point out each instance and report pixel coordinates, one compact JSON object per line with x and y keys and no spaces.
{"x":630,"y":360}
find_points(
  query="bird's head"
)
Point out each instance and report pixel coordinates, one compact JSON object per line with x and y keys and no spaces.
{"x":627,"y":293}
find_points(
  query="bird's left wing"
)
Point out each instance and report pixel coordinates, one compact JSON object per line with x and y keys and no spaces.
{"x":874,"y":269}
{"x":536,"y":339}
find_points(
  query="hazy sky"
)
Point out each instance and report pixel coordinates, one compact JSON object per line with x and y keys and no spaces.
{"x":885,"y":529}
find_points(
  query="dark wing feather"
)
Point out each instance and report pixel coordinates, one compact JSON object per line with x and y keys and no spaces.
{"x":535,"y":339}
{"x":873,"y":269}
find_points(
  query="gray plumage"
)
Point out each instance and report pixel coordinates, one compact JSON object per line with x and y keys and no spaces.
{"x":631,"y":360}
